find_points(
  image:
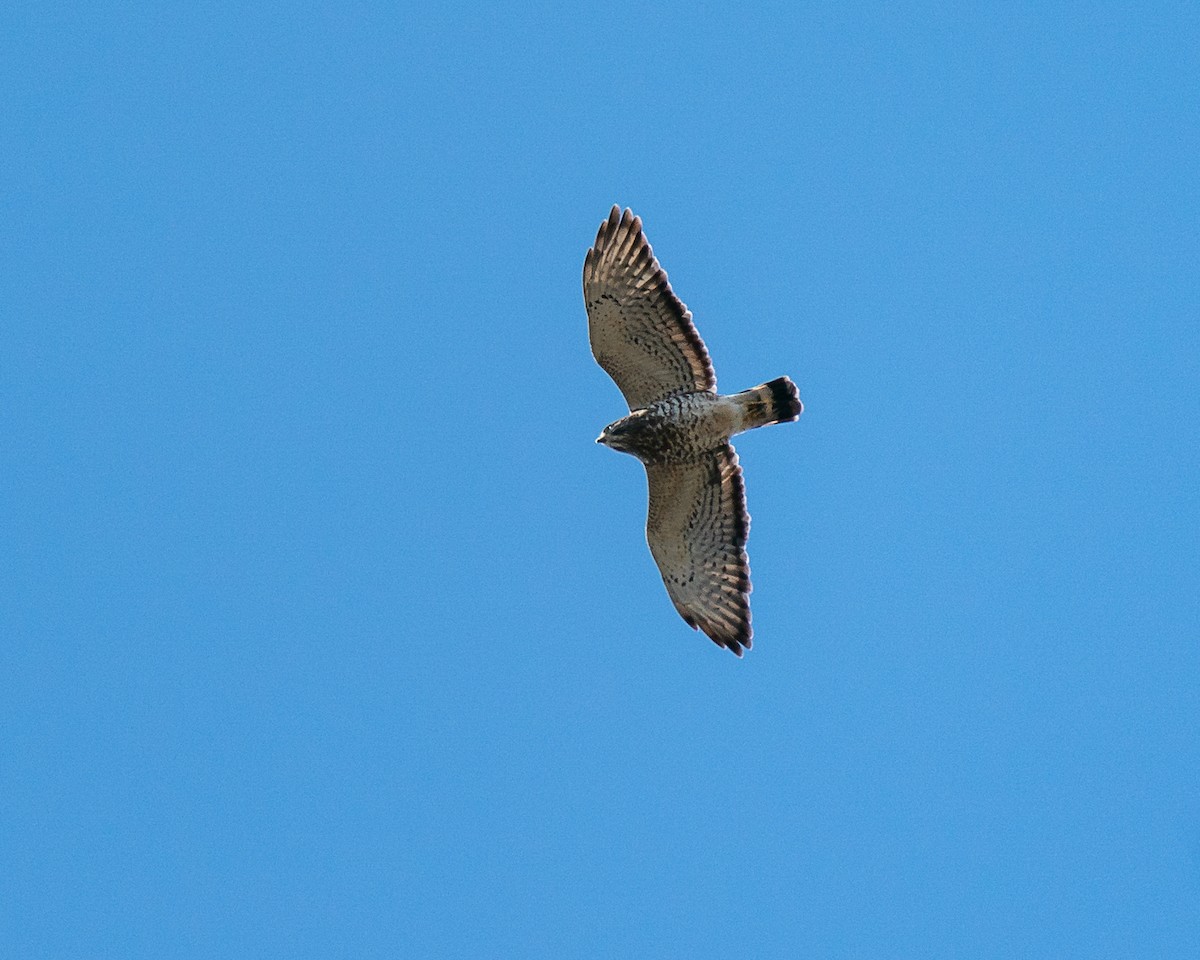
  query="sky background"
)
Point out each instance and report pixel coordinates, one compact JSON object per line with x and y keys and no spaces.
{"x":326,"y":630}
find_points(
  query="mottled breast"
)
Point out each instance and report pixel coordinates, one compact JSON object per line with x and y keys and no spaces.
{"x":680,"y":428}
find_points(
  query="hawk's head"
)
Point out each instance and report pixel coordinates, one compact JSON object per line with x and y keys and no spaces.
{"x":625,"y":434}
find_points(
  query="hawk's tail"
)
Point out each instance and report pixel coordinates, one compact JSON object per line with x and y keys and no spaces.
{"x":774,"y":402}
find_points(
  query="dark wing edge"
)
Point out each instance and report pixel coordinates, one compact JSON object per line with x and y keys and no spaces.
{"x":621,"y":273}
{"x":697,"y":529}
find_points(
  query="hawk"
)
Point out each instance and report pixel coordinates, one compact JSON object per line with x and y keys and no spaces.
{"x":679,"y":427}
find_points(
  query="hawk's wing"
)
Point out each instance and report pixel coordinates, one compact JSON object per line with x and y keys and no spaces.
{"x":641,"y":333}
{"x":697,"y":531}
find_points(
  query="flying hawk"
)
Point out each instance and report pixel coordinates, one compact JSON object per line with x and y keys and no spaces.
{"x":679,"y":427}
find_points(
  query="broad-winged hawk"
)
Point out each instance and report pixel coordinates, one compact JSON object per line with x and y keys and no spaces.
{"x":679,"y":427}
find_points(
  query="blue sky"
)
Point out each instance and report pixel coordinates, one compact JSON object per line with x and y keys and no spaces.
{"x":328,"y":630}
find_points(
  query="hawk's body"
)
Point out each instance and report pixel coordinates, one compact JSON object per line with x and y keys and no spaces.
{"x":679,"y":427}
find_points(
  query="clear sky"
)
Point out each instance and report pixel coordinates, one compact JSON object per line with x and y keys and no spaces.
{"x":326,"y":630}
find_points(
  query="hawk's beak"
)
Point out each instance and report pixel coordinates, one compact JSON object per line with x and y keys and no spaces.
{"x":600,"y":439}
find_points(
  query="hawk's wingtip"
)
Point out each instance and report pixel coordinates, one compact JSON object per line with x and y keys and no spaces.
{"x":734,"y":645}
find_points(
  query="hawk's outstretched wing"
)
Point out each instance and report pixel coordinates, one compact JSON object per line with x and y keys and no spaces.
{"x":641,"y":334}
{"x":697,"y":531}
